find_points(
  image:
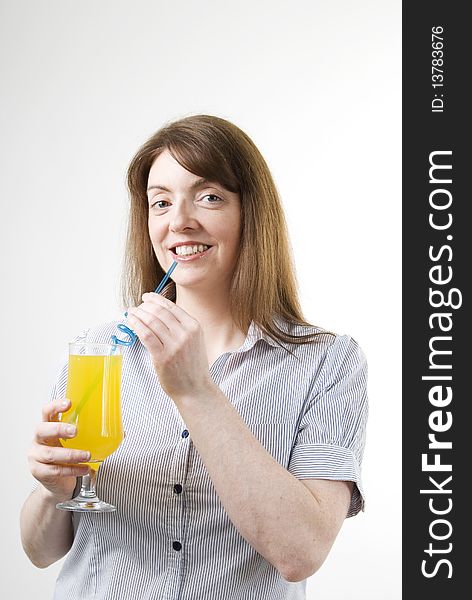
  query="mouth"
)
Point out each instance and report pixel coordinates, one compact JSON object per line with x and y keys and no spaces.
{"x":189,"y":252}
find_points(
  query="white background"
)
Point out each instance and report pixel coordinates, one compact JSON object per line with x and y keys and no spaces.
{"x":316,"y":85}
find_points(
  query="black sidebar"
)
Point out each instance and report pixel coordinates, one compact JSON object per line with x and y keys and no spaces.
{"x":437,"y":269}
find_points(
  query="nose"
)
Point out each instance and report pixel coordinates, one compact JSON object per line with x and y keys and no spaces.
{"x":182,"y":217}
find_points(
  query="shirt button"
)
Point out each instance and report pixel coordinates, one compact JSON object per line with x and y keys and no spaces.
{"x":185,"y":433}
{"x":178,"y":488}
{"x":177,"y":546}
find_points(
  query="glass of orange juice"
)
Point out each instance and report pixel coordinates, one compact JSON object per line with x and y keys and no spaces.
{"x":94,"y":389}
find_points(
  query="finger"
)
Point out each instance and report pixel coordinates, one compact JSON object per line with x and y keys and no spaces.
{"x":163,"y":324}
{"x":159,"y":300}
{"x":51,"y":455}
{"x":167,"y":327}
{"x":188,"y":325}
{"x":52,"y":431}
{"x":160,"y":314}
{"x":147,"y":336}
{"x":43,"y":472}
{"x":51,"y":410}
{"x":183,"y":317}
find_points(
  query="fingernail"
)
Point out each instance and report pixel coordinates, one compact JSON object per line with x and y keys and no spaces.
{"x":85,"y":456}
{"x":65,"y":404}
{"x":70,"y":429}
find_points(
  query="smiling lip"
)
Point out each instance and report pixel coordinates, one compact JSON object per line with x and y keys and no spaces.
{"x":188,"y":243}
{"x":191,"y":257}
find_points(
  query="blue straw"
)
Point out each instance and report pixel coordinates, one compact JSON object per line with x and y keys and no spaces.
{"x":133,"y":337}
{"x":159,"y":288}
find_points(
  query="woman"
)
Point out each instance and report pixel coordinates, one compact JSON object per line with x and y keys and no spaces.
{"x":245,"y":424}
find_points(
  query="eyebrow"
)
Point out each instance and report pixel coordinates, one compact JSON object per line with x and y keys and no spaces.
{"x":198,"y":183}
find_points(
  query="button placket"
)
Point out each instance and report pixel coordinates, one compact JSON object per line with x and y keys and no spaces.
{"x":176,"y":503}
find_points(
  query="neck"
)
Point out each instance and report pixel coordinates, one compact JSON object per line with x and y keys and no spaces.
{"x":220,"y":332}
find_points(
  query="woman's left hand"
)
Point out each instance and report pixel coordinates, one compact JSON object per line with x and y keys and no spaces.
{"x":176,"y":344}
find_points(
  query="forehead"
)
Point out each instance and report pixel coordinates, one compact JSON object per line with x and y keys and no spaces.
{"x":166,"y":169}
{"x":166,"y":174}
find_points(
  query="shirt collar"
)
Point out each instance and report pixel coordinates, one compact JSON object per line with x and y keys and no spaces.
{"x":255,"y":334}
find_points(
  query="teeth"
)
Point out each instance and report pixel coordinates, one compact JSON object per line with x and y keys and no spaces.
{"x":188,"y":250}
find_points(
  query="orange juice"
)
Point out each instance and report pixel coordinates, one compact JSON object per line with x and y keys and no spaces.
{"x":93,"y":387}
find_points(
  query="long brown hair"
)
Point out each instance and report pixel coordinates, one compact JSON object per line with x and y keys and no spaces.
{"x":263,"y":287}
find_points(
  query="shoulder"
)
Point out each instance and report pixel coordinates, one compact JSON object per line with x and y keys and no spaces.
{"x":328,"y":342}
{"x":327,"y":356}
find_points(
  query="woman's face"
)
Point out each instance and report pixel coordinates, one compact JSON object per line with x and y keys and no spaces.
{"x":195,"y":222}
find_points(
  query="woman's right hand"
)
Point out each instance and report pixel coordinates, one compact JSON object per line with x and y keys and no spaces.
{"x":55,"y":467}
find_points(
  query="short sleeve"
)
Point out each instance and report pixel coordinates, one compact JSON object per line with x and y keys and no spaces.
{"x":331,"y":433}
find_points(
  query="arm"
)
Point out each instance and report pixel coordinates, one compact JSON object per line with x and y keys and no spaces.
{"x":46,"y":532}
{"x":292,"y":523}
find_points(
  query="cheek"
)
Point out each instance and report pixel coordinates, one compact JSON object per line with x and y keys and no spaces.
{"x":236,"y":235}
{"x":230,"y":240}
{"x":231,"y":230}
{"x":232,"y":250}
{"x":156,"y":231}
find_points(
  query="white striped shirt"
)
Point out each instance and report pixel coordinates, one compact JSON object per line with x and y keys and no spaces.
{"x":171,"y":538}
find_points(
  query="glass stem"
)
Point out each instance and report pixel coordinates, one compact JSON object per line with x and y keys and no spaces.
{"x":87,"y":491}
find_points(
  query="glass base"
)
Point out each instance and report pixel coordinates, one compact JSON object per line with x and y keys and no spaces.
{"x":87,"y":500}
{"x":86,"y":505}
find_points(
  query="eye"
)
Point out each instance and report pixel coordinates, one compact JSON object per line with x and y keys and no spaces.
{"x":159,"y":204}
{"x":214,"y":197}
